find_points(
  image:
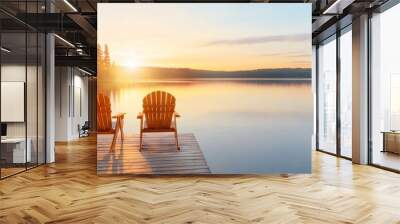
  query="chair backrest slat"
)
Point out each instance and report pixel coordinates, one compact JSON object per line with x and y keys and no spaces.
{"x":103,"y":113}
{"x":158,"y":108}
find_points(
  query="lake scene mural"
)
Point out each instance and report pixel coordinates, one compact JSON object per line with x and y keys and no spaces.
{"x":227,"y":91}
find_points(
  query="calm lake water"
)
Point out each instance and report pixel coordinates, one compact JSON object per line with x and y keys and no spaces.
{"x":242,"y":125}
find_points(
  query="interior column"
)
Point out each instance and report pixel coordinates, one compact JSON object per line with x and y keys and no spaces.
{"x":50,"y":92}
{"x":360,"y":90}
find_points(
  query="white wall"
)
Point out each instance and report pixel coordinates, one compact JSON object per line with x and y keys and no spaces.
{"x":80,"y":94}
{"x":62,"y":82}
{"x":33,"y":127}
{"x":12,"y":73}
{"x":71,"y":87}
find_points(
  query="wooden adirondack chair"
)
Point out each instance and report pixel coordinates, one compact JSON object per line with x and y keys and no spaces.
{"x":158,"y":115}
{"x":104,"y":117}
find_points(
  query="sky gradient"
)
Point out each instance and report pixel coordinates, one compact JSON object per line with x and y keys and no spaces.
{"x":225,"y":37}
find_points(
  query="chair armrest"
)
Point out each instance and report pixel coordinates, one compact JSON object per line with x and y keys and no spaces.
{"x":119,"y":115}
{"x":177,"y":114}
{"x":139,"y":116}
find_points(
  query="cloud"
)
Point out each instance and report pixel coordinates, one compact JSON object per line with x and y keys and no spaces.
{"x":299,"y":55}
{"x":287,"y":54}
{"x":301,"y":62}
{"x":261,"y":39}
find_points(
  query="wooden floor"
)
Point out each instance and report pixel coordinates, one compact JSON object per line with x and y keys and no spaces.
{"x":69,"y":191}
{"x":10,"y":171}
{"x":387,"y":159}
{"x":159,"y":155}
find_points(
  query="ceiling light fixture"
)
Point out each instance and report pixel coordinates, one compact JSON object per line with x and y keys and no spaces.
{"x":64,"y":40}
{"x":84,"y":71}
{"x":5,"y":50}
{"x":333,"y":6}
{"x":337,"y":7}
{"x":70,"y":5}
{"x":79,"y":51}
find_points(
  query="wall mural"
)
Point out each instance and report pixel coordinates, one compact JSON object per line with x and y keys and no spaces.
{"x":204,"y":88}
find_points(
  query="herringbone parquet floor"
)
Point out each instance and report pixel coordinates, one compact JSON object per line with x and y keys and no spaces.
{"x":70,"y":192}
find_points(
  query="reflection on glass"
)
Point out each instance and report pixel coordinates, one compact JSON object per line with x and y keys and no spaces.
{"x":346,"y":94}
{"x":31,"y":97}
{"x":327,"y":96}
{"x":386,"y":89}
{"x":41,"y":98}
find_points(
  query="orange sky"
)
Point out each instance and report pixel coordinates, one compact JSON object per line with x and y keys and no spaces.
{"x":207,"y":36}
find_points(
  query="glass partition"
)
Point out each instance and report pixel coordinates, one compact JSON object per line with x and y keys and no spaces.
{"x":22,"y":64}
{"x":13,"y":114}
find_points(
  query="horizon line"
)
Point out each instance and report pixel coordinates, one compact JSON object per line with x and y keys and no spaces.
{"x":211,"y":70}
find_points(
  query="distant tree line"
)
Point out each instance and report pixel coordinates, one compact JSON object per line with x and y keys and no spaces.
{"x":104,"y":65}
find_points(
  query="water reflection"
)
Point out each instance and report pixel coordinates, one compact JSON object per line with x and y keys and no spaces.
{"x":242,"y":125}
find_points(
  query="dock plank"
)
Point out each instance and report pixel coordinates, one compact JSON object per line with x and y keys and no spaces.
{"x":158,"y":156}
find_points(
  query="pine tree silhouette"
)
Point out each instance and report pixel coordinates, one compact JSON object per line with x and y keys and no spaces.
{"x":105,"y":67}
{"x":100,"y":64}
{"x":107,"y":60}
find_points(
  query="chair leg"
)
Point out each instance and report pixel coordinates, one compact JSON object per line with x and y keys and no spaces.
{"x":121,"y":122}
{"x":116,"y":132}
{"x":176,"y":140}
{"x":141,"y":140}
{"x":114,"y":140}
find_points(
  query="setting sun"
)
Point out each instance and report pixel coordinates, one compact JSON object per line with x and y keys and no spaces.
{"x":131,"y":64}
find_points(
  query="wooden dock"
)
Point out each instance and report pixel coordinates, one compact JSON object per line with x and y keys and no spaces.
{"x":158,"y":156}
